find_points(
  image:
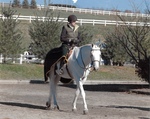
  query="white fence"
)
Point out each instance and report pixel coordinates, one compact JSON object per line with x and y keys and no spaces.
{"x":86,"y":11}
{"x":96,"y":12}
{"x":23,"y":58}
{"x":80,"y":21}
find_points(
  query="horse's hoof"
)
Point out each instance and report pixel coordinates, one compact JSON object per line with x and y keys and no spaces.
{"x":48,"y":108}
{"x":74,"y":110}
{"x":56,"y":107}
{"x":85,"y":112}
{"x":48,"y":105}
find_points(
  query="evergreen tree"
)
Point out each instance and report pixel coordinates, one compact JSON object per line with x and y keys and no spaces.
{"x":25,"y":4}
{"x":33,"y":4}
{"x":10,"y":35}
{"x":45,"y":34}
{"x":86,"y":34}
{"x":16,"y":3}
{"x":113,"y":51}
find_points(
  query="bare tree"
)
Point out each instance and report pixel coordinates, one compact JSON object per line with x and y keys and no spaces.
{"x":136,"y":41}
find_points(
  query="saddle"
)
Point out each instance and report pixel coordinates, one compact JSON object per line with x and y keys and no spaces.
{"x":52,"y":57}
{"x":64,"y":59}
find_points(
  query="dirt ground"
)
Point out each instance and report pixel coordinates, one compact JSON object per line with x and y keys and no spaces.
{"x":27,"y":101}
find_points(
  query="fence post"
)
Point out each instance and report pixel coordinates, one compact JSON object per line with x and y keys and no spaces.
{"x":73,"y":10}
{"x":93,"y":22}
{"x":21,"y":57}
{"x":105,"y":22}
{"x":30,"y":19}
{"x":43,"y":19}
{"x":91,"y":11}
{"x":81,"y":22}
{"x":1,"y":57}
{"x":3,"y":18}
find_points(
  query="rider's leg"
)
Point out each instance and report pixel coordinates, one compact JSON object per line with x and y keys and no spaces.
{"x":59,"y":66}
{"x":62,"y":62}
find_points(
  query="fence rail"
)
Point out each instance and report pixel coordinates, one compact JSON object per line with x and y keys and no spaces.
{"x":80,"y":21}
{"x":22,"y":58}
{"x":96,"y":12}
{"x":91,"y":11}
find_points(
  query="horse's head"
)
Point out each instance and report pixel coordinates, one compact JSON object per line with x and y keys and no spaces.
{"x":95,"y":56}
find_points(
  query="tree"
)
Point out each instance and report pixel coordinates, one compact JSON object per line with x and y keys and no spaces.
{"x":86,"y":34}
{"x":33,"y":4}
{"x":16,"y":3}
{"x":44,"y":34}
{"x":25,"y":4}
{"x":113,"y":51}
{"x":10,"y":35}
{"x":136,"y":41}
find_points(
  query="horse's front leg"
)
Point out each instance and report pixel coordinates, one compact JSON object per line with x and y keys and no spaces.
{"x":75,"y":99}
{"x":80,"y":84}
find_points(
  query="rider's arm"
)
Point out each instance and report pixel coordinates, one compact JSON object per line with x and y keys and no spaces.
{"x":63,"y":36}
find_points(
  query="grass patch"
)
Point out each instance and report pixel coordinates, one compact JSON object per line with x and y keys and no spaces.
{"x":22,"y":72}
{"x":35,"y":72}
{"x":114,"y":73}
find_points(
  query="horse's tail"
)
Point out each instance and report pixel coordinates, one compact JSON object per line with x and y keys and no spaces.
{"x":48,"y":68}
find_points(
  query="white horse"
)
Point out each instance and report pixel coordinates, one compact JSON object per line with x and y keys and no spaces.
{"x":77,"y":68}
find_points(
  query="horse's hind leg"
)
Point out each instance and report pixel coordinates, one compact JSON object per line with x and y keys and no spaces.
{"x":48,"y":103}
{"x":54,"y":90}
{"x":54,"y":79}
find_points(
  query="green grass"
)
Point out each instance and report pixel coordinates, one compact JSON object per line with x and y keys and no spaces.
{"x":25,"y":71}
{"x":35,"y":72}
{"x":114,"y":73}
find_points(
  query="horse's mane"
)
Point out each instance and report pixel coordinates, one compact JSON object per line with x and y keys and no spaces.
{"x":85,"y":45}
{"x":76,"y":50}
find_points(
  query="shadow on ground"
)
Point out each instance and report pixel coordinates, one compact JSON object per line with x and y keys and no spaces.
{"x":105,"y":87}
{"x":111,"y":87}
{"x":30,"y":106}
{"x":128,"y":107}
{"x":143,"y":118}
{"x":23,"y":105}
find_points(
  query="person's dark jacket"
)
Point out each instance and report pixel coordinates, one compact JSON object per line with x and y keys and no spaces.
{"x":70,"y":35}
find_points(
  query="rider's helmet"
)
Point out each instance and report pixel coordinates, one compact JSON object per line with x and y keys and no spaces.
{"x":72,"y":18}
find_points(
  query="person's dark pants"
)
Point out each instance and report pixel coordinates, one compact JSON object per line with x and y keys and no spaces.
{"x":65,"y":50}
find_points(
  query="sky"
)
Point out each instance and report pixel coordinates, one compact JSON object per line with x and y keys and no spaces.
{"x":121,"y":5}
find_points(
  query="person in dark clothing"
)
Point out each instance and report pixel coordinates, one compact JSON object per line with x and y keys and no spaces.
{"x":69,"y":37}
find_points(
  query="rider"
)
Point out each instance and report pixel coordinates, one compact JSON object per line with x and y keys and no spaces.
{"x":70,"y":37}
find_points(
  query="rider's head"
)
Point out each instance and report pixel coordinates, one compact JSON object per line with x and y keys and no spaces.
{"x":72,"y":18}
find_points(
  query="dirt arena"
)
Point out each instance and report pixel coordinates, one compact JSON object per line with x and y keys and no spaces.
{"x":27,"y":101}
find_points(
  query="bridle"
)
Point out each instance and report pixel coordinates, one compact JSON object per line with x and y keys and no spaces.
{"x":94,"y":59}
